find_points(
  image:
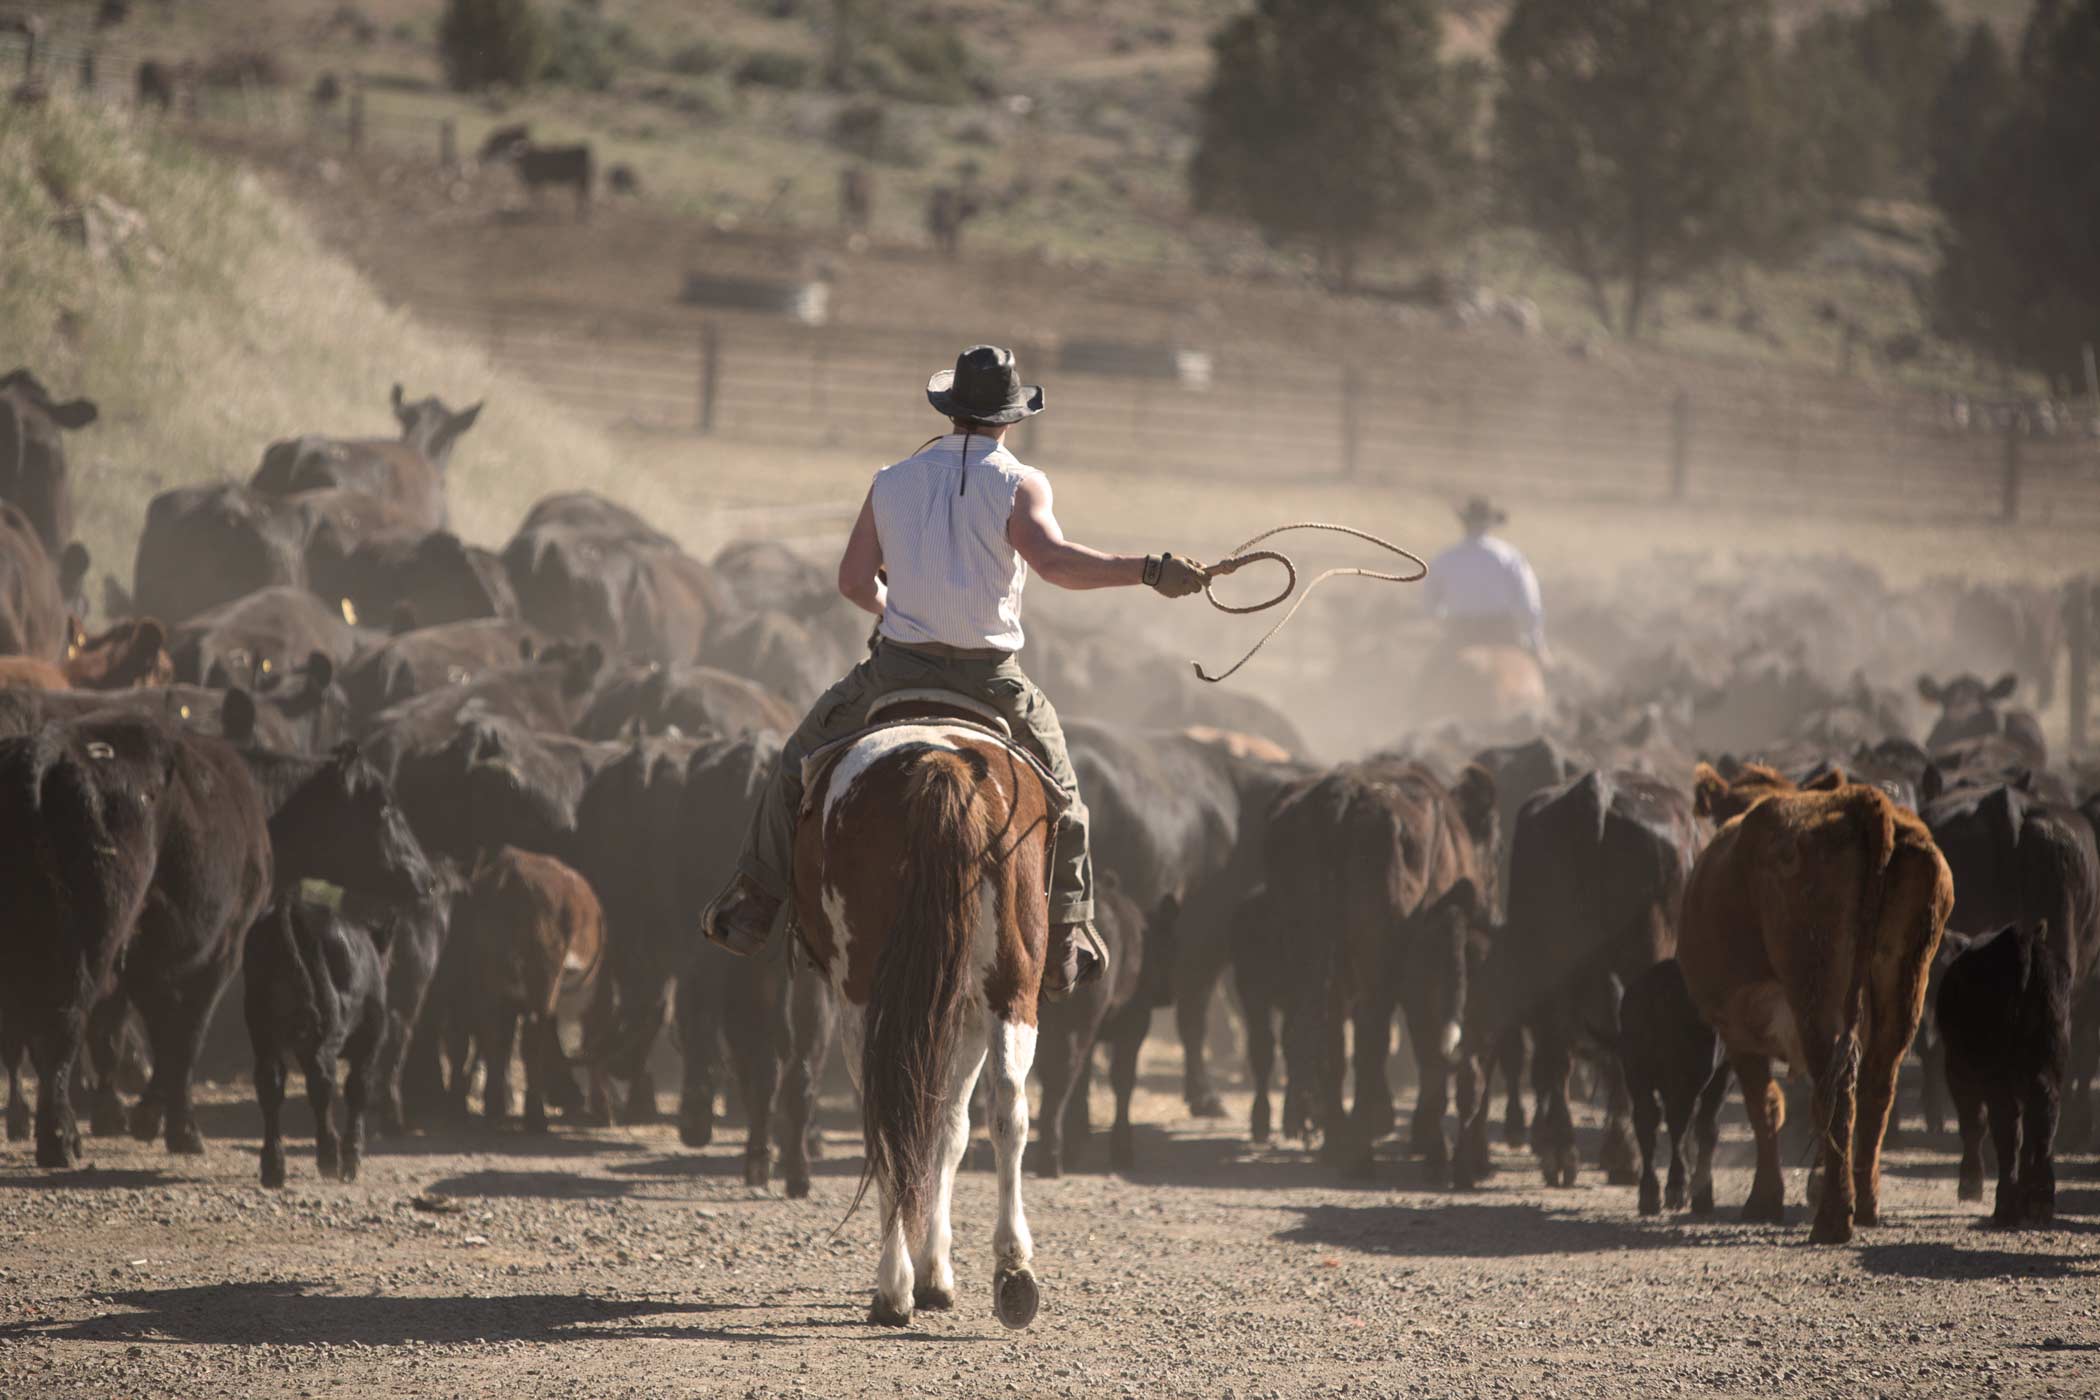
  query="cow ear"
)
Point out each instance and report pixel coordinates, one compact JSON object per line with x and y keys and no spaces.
{"x":320,"y":670}
{"x":73,"y":564}
{"x":464,"y":419}
{"x":1828,"y":782}
{"x":525,"y":649}
{"x":237,"y":716}
{"x":2023,"y":781}
{"x":2003,"y":687}
{"x":77,"y":413}
{"x":1476,"y":801}
{"x":1929,"y":689}
{"x":1708,"y":790}
{"x":1931,"y":783}
{"x":395,"y":398}
{"x":149,"y":635}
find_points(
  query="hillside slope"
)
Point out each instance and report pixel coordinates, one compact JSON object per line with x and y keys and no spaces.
{"x":221,"y":324}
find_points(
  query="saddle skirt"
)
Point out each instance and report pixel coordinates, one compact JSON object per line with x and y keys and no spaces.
{"x":931,"y":709}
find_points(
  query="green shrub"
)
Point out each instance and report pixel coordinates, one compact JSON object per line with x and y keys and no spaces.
{"x":774,"y":68}
{"x":581,"y":51}
{"x":485,"y":43}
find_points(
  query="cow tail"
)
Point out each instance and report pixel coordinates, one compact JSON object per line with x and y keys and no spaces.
{"x":309,"y":975}
{"x":73,"y":843}
{"x":1877,"y":823}
{"x":921,"y":998}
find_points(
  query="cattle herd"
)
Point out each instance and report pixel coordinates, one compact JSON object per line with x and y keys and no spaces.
{"x":440,"y":809}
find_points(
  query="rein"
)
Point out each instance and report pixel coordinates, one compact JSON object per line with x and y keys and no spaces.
{"x":1247,"y":554}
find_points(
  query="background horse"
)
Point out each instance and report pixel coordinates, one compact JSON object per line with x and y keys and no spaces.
{"x":921,"y":889}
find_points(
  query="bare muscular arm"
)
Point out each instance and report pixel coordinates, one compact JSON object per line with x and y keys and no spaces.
{"x":1041,"y":542}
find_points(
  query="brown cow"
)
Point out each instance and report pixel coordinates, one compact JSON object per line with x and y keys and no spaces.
{"x":529,"y":942}
{"x":131,"y":655}
{"x":1809,"y":925}
{"x":33,"y":455}
{"x":407,"y":473}
{"x":33,"y":591}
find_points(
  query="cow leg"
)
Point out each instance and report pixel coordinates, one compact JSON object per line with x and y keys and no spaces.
{"x":386,"y":1074}
{"x":1015,"y":1295}
{"x":1766,"y":1107}
{"x":421,"y":1078}
{"x":2004,"y":1105}
{"x":1969,"y":1122}
{"x":699,"y":1031}
{"x":1835,"y":1073}
{"x":1509,"y":1057}
{"x":757,"y":1035}
{"x":1895,"y":1007}
{"x":2079,"y":1126}
{"x":1132,"y":1023}
{"x":1057,"y":1068}
{"x":360,"y":1054}
{"x":1706,"y":1129}
{"x":1261,"y":1048}
{"x":1616,"y":1155}
{"x":1078,"y":1127}
{"x":105,"y":1045}
{"x":1932,"y":1085}
{"x":1471,"y":1158}
{"x":18,"y":1124}
{"x":175,"y":1029}
{"x":2038,"y":1121}
{"x":498,"y":1043}
{"x":52,"y":1049}
{"x":1203,"y":954}
{"x":1553,"y":1128}
{"x":541,"y":1043}
{"x":650,"y":1007}
{"x":320,"y":1097}
{"x":1432,"y":1098}
{"x":933,"y":1271}
{"x":1647,"y":1116}
{"x":269,"y":1097}
{"x":812,"y":1020}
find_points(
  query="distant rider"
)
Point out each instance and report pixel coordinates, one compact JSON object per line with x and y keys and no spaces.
{"x":1484,"y":590}
{"x":940,"y":553}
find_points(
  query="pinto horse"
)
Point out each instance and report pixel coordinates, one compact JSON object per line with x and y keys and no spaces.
{"x":921,"y":893}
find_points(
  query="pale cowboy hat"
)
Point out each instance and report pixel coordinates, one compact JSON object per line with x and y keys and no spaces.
{"x":1481,"y":514}
{"x":984,"y":387}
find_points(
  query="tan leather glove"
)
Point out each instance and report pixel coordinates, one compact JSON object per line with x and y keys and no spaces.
{"x":1173,"y":576}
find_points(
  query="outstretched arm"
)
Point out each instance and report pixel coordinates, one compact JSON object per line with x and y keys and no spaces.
{"x":1041,"y":543}
{"x":860,"y":567}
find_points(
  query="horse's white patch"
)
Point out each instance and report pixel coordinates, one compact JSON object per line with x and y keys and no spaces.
{"x":572,"y":963}
{"x":984,"y":936}
{"x":871,"y":749}
{"x":1453,"y":1033}
{"x":841,"y":937}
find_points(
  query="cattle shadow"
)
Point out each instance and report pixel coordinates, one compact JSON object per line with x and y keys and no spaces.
{"x":305,"y":1313}
{"x":497,"y":1184}
{"x":88,"y":1179}
{"x":1965,"y":1259}
{"x":1473,"y":1230}
{"x":698,"y":1164}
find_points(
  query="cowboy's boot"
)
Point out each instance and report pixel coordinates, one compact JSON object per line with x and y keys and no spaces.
{"x":741,"y":918}
{"x":1076,"y":956}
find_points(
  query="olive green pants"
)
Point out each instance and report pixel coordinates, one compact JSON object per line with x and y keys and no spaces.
{"x":842,"y":710}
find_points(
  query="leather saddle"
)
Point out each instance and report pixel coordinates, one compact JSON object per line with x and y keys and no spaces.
{"x":930,"y":705}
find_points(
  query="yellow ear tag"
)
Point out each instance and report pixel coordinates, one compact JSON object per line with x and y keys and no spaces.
{"x":266,"y":666}
{"x":349,"y":612}
{"x":185,"y":712}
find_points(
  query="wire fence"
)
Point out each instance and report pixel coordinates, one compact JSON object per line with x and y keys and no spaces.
{"x":1452,"y":413}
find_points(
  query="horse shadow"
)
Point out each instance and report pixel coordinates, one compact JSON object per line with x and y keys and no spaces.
{"x":88,"y":1178}
{"x":1446,"y":1229}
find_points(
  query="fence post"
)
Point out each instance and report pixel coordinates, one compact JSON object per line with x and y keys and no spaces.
{"x":710,"y":372}
{"x":1680,"y":443}
{"x":2009,"y":511}
{"x":87,"y":71}
{"x":448,"y":144}
{"x":357,"y":116}
{"x":29,"y":37}
{"x":1352,"y":391}
{"x":2078,"y":623}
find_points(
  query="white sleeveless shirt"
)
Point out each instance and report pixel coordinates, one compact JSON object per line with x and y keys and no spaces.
{"x":941,"y":516}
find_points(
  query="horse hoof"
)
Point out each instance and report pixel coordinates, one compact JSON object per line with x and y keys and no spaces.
{"x":1830,"y":1232}
{"x":1015,"y":1297}
{"x":926,"y":1298}
{"x":882,"y":1314}
{"x":1206,"y":1105}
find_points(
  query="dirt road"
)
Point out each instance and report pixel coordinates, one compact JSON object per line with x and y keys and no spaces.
{"x":616,"y":1263}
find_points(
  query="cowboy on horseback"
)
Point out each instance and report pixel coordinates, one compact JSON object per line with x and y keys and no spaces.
{"x":1483,"y":588}
{"x":939,"y":554}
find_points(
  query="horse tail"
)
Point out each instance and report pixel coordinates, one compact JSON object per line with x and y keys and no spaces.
{"x":921,"y":997}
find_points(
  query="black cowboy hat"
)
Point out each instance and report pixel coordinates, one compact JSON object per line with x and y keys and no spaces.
{"x":984,"y":387}
{"x":1481,"y":514}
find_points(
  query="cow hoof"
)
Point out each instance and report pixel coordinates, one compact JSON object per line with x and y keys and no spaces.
{"x":106,"y":1117}
{"x":1258,"y":1122}
{"x":883,"y":1314}
{"x":1651,"y":1198}
{"x":696,"y":1126}
{"x":798,"y":1186}
{"x":1205,"y":1105}
{"x":186,"y":1141}
{"x":1970,"y":1190}
{"x":348,"y":1173}
{"x":145,"y":1120}
{"x":927,"y":1298}
{"x":1514,"y":1127}
{"x":813,"y":1145}
{"x":1015,"y":1297}
{"x":758,"y":1170}
{"x":272,"y":1168}
{"x":1621,"y":1176}
{"x":17,"y":1122}
{"x":58,"y":1154}
{"x":1122,"y":1149}
{"x":1672,"y":1198}
{"x":1764,"y":1212}
{"x":1703,"y":1201}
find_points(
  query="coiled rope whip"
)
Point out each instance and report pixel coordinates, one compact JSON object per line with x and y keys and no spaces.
{"x":1247,"y":554}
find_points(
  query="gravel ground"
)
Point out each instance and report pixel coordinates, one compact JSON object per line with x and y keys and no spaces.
{"x":616,"y":1263}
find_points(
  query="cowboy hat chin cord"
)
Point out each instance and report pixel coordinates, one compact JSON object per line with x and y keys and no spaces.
{"x":1247,"y":554}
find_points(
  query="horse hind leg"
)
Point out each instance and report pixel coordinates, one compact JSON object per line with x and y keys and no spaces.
{"x":1015,"y":1295}
{"x":933,"y":1270}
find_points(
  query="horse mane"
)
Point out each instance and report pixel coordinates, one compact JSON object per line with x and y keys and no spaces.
{"x":923,"y":981}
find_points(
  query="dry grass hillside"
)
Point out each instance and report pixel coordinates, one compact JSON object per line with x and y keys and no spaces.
{"x":221,"y":323}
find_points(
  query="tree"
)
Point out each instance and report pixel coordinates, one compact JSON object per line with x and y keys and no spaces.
{"x":484,"y":43}
{"x":1640,"y":139}
{"x":1335,"y":123}
{"x":2019,"y":191}
{"x":1904,"y":49}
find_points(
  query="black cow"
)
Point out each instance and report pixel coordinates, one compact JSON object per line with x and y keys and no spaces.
{"x":1109,"y":1011}
{"x":207,"y":545}
{"x":547,"y":693}
{"x":1676,"y":1073}
{"x":589,"y":570}
{"x":1972,"y":709}
{"x":1180,"y":822}
{"x":258,"y":636}
{"x":34,"y":616}
{"x":315,"y":991}
{"x":1263,"y":973}
{"x":33,"y":455}
{"x":402,"y":576}
{"x":2004,"y":1010}
{"x":795,"y":661}
{"x":2021,"y":859}
{"x":694,"y":700}
{"x":430,"y":658}
{"x":407,"y":473}
{"x":414,"y":937}
{"x":538,"y":166}
{"x":1597,"y":870}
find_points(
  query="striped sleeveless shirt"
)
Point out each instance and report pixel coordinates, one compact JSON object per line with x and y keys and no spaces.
{"x":941,"y":516}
